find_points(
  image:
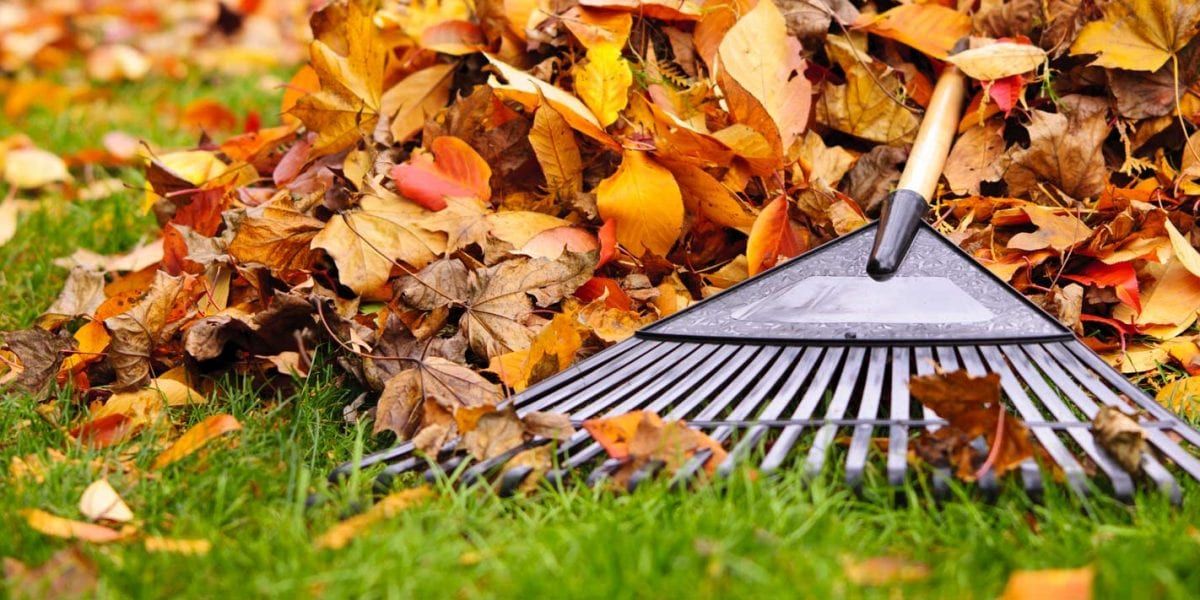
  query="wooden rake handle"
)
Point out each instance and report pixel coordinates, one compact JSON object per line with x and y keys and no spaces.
{"x":905,"y":207}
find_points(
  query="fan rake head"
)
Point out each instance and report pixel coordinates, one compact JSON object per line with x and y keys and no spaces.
{"x":777,"y":368}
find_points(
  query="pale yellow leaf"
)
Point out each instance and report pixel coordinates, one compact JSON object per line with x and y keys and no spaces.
{"x":999,"y":60}
{"x":101,"y":502}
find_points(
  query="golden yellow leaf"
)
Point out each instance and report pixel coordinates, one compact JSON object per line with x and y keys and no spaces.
{"x":346,"y":107}
{"x":1137,"y":358}
{"x":517,"y":227}
{"x":594,"y":26}
{"x":1139,"y":35}
{"x":1181,"y":396}
{"x":1184,"y":250}
{"x":391,"y":505}
{"x":530,"y":91}
{"x":363,"y":243}
{"x":556,"y":151}
{"x":552,"y":350}
{"x":859,"y":107}
{"x":704,"y":195}
{"x":195,"y":438}
{"x":603,"y":82}
{"x":1172,"y":299}
{"x":186,"y":547}
{"x":55,"y":526}
{"x":930,"y":27}
{"x":412,"y":101}
{"x":644,"y":200}
{"x":999,"y":60}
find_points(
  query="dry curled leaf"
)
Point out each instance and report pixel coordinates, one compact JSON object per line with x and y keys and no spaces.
{"x":341,"y":534}
{"x":196,"y":438}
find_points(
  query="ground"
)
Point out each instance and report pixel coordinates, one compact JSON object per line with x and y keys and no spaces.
{"x":763,"y":538}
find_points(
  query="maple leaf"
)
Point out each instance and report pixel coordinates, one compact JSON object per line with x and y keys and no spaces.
{"x":603,"y":82}
{"x":1054,"y":230}
{"x":138,"y":331}
{"x":347,"y":105}
{"x":551,"y":351}
{"x":1139,"y":35}
{"x":975,"y":158}
{"x":645,"y":202}
{"x":453,"y":170}
{"x":277,"y":235}
{"x":365,"y":242}
{"x":1065,"y":152}
{"x":448,"y":384}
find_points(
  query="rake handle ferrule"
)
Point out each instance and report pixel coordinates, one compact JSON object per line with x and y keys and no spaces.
{"x":904,"y":208}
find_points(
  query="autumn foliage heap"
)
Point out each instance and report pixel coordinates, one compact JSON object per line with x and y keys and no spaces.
{"x":464,"y":199}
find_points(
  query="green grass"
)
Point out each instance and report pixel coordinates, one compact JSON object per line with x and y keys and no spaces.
{"x":767,"y":538}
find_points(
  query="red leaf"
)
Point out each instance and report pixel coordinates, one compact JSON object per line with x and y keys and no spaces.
{"x":1006,"y":92}
{"x":454,"y":170}
{"x":104,"y":432}
{"x":596,"y":287}
{"x":1120,"y":276}
{"x":771,"y":237}
{"x":608,"y":242}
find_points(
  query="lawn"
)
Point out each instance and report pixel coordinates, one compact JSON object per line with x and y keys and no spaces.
{"x":743,"y":538}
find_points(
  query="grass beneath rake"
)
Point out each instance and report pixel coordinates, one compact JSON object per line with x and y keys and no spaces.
{"x":777,"y":537}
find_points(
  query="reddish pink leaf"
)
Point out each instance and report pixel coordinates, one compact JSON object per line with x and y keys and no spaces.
{"x":552,"y":242}
{"x":608,"y":242}
{"x":1120,"y":276}
{"x":1006,"y":92}
{"x":454,"y":170}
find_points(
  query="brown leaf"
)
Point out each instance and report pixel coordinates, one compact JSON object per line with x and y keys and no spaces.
{"x":277,"y":235}
{"x":494,"y":434}
{"x":450,"y":385}
{"x":972,"y":407}
{"x":138,"y":331}
{"x":81,"y":295}
{"x":1057,"y":231}
{"x":410,"y":103}
{"x":554,"y":145}
{"x":975,"y":158}
{"x":40,"y":354}
{"x":1063,"y":152}
{"x":555,"y":426}
{"x":1121,"y":437}
{"x":860,"y":107}
{"x":874,"y":175}
{"x":68,"y":573}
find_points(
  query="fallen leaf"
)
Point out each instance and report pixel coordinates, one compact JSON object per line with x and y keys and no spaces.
{"x":40,"y":354}
{"x":195,"y":438}
{"x":68,"y":573}
{"x":415,"y":99}
{"x":341,"y":534}
{"x":1182,"y":396}
{"x":1120,"y":276}
{"x":866,"y":105}
{"x":531,"y":92}
{"x":452,"y":169}
{"x":186,"y":547}
{"x":33,"y":168}
{"x":1059,"y":232}
{"x":931,"y":28}
{"x":644,"y":201}
{"x":554,"y":144}
{"x":1121,"y":437}
{"x":402,"y":403}
{"x":1139,"y":35}
{"x":552,"y":350}
{"x":1060,"y":584}
{"x":999,"y":60}
{"x":100,"y":502}
{"x":277,"y":235}
{"x":1062,"y":152}
{"x":975,"y":158}
{"x":55,"y":526}
{"x":603,"y":82}
{"x":139,"y":330}
{"x":884,"y":570}
{"x":772,"y":238}
{"x":669,"y":10}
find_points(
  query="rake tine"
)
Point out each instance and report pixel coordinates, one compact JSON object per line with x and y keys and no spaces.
{"x":836,"y":409}
{"x":777,"y":367}
{"x":927,"y":366}
{"x":897,"y":455}
{"x":812,"y":396}
{"x":480,"y":470}
{"x":443,"y":469}
{"x":1150,"y":465}
{"x":1097,"y":365}
{"x":1121,"y":482}
{"x":946,"y":358}
{"x":1096,"y":386}
{"x":860,"y":443}
{"x":603,"y":472}
{"x":396,"y":452}
{"x":989,"y":483}
{"x":609,"y":391}
{"x":606,"y":357}
{"x":646,"y":353}
{"x":1031,"y":475}
{"x":512,"y":479}
{"x":645,"y":473}
{"x":784,"y":396}
{"x":1076,"y":478}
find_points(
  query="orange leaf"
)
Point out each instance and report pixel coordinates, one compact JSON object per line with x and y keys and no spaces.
{"x":1120,"y":276}
{"x":455,"y":169}
{"x":52,"y":525}
{"x":208,"y":115}
{"x":614,"y":433}
{"x":930,"y":28}
{"x":608,"y":242}
{"x":105,"y":431}
{"x":1061,"y":584}
{"x":1059,"y":232}
{"x":771,"y":237}
{"x":607,"y":288}
{"x":195,"y":438}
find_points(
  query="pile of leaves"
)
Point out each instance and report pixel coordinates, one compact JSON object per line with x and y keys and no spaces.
{"x":463,"y":199}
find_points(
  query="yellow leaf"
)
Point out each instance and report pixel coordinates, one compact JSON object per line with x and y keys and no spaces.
{"x":364,"y":243}
{"x":55,"y":526}
{"x":1060,"y":584}
{"x":1172,"y":299}
{"x":644,"y":200}
{"x":1181,"y":396}
{"x":999,"y":60}
{"x":603,"y":82}
{"x":931,"y":28}
{"x":1137,"y":358}
{"x":1139,"y":35}
{"x":195,"y":438}
{"x":391,"y":505}
{"x":31,"y":168}
{"x":9,"y":211}
{"x":187,"y":547}
{"x":704,"y":195}
{"x":530,"y":91}
{"x":193,"y":166}
{"x":556,"y":151}
{"x":860,"y":107}
{"x":415,"y":99}
{"x":346,"y":107}
{"x":552,"y":350}
{"x":517,"y":227}
{"x":1184,"y":251}
{"x":594,"y":27}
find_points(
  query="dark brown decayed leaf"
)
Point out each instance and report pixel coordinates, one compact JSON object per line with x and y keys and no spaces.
{"x":450,"y":385}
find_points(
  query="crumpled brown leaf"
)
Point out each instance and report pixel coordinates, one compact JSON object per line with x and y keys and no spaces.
{"x":40,"y":353}
{"x":404,"y":402}
{"x":1121,"y":437}
{"x":138,"y":331}
{"x":1064,"y":152}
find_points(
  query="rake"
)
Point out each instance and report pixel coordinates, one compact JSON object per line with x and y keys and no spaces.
{"x":779,"y":366}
